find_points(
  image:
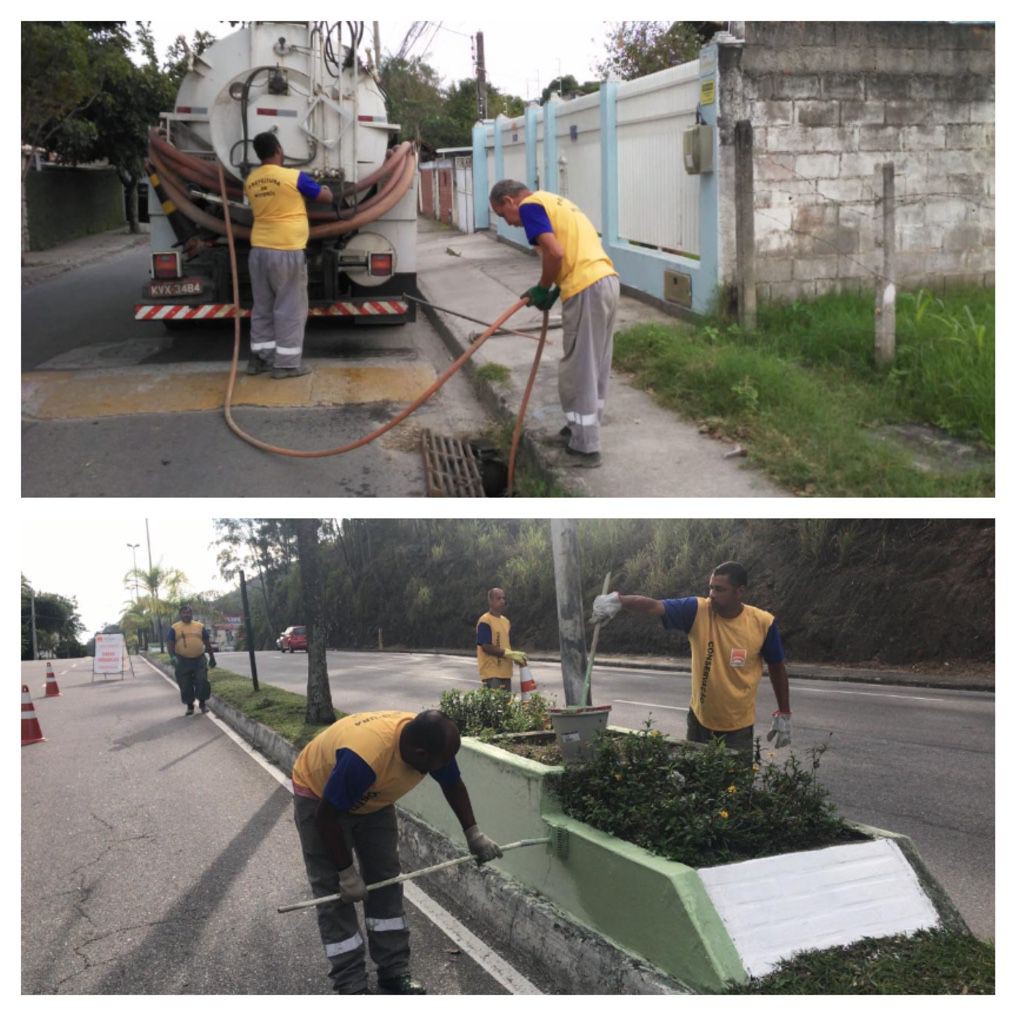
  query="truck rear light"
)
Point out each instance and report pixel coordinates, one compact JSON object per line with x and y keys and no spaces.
{"x":381,"y":264}
{"x":166,"y":265}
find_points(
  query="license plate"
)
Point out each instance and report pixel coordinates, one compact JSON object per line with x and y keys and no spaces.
{"x":181,"y":288}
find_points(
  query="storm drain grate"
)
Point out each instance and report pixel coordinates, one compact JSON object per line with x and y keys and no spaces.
{"x":453,"y":470}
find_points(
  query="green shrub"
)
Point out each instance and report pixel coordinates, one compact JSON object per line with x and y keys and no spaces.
{"x":485,"y":712}
{"x":700,"y":805}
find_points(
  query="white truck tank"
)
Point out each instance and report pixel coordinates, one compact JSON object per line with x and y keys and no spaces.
{"x":287,"y":77}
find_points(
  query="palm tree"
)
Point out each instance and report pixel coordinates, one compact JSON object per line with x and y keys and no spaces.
{"x":153,"y":579}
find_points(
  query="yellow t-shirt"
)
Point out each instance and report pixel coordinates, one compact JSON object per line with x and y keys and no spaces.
{"x":585,"y":260}
{"x":493,"y":666}
{"x":280,"y":214}
{"x":190,"y":642}
{"x":726,"y":665}
{"x":374,"y":737}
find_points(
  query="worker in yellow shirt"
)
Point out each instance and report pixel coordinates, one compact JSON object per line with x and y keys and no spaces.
{"x":575,"y":266}
{"x":345,"y":784}
{"x":187,"y":641}
{"x":277,"y":261}
{"x":730,"y":641}
{"x":494,"y":653}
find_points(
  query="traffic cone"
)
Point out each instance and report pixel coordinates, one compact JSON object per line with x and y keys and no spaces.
{"x":52,"y":688}
{"x":527,"y":683}
{"x":30,"y":729}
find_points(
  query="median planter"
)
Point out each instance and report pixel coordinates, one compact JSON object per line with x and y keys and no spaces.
{"x":702,"y":927}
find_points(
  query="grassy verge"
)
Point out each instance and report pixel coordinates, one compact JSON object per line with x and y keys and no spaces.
{"x":802,"y":393}
{"x":282,"y":711}
{"x":927,"y":963}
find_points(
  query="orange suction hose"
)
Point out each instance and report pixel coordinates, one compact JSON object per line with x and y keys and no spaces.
{"x":396,"y":420}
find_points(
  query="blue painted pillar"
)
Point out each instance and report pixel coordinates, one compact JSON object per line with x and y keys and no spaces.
{"x":551,"y":177}
{"x":608,"y":162}
{"x":532,"y":171}
{"x":499,"y":165}
{"x":704,"y":285}
{"x":481,"y":185}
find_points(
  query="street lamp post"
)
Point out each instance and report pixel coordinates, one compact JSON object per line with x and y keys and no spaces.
{"x":137,"y":597}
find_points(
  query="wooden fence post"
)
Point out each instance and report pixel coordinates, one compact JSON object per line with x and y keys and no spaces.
{"x":885,"y":287}
{"x":744,"y":224}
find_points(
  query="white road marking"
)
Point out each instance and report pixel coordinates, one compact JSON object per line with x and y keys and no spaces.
{"x":485,"y":957}
{"x":651,"y":705}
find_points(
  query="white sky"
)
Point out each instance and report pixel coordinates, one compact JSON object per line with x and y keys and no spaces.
{"x":87,"y":559}
{"x":520,"y":68}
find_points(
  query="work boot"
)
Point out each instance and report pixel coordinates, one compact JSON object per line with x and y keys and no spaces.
{"x":190,"y":710}
{"x":257,"y":365}
{"x":402,"y":984}
{"x":283,"y":372}
{"x":204,"y":707}
{"x":590,"y":460}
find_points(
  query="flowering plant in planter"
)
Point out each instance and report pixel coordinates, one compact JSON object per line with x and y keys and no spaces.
{"x":700,"y":805}
{"x":485,"y":712}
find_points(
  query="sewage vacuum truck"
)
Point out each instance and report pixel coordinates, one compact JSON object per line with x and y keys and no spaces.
{"x":304,"y":81}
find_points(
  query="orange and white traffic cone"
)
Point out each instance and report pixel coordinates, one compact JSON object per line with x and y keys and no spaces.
{"x":527,"y":683}
{"x":52,"y":688}
{"x":30,"y":729}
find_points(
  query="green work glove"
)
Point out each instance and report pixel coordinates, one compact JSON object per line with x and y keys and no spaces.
{"x":780,"y":729}
{"x":516,"y":656}
{"x":211,"y":661}
{"x":172,"y":660}
{"x":481,"y":846}
{"x":542,"y":297}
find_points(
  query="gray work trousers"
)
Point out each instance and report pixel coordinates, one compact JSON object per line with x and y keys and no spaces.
{"x":192,"y":676}
{"x":584,"y":370}
{"x":278,"y":280}
{"x":375,"y":839}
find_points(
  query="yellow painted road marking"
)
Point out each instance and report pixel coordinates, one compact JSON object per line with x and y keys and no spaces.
{"x":68,"y":395}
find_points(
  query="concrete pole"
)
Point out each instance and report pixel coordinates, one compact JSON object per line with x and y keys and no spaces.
{"x":744,"y":219}
{"x":571,"y":628}
{"x":885,"y":287}
{"x":249,"y":628}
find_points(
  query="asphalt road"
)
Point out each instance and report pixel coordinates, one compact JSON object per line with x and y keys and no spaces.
{"x":83,"y":353}
{"x":155,"y":850}
{"x":918,"y":761}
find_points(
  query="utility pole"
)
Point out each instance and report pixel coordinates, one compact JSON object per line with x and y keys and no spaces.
{"x":249,"y":628}
{"x":568,"y":585}
{"x":377,"y":46}
{"x":35,"y":636}
{"x":481,"y":79}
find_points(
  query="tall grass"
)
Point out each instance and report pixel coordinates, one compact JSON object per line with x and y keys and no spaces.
{"x":802,"y":391}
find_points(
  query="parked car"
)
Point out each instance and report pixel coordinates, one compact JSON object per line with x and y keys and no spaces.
{"x":293,"y":638}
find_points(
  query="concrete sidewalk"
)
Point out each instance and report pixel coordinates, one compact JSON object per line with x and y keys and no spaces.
{"x":648,"y":451}
{"x":39,"y":265}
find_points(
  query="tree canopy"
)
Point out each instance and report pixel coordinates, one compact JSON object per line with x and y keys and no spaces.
{"x":57,"y":624}
{"x":637,"y":48}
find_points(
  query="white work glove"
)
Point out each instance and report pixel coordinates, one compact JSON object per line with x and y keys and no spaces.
{"x":780,"y":729}
{"x":481,"y":846}
{"x":605,"y":607}
{"x":352,"y":888}
{"x":516,"y":656}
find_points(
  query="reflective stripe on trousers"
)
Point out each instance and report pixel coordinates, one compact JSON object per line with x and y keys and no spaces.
{"x":374,"y":841}
{"x":583,"y":373}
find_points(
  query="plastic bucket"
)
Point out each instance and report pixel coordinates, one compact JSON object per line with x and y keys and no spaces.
{"x":576,"y":729}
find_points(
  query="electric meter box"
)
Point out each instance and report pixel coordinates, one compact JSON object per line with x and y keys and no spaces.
{"x":698,"y":149}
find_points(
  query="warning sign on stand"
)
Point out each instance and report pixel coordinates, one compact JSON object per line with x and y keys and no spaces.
{"x":110,"y":654}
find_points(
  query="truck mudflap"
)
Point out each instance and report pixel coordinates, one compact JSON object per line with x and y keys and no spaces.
{"x":395,"y":308}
